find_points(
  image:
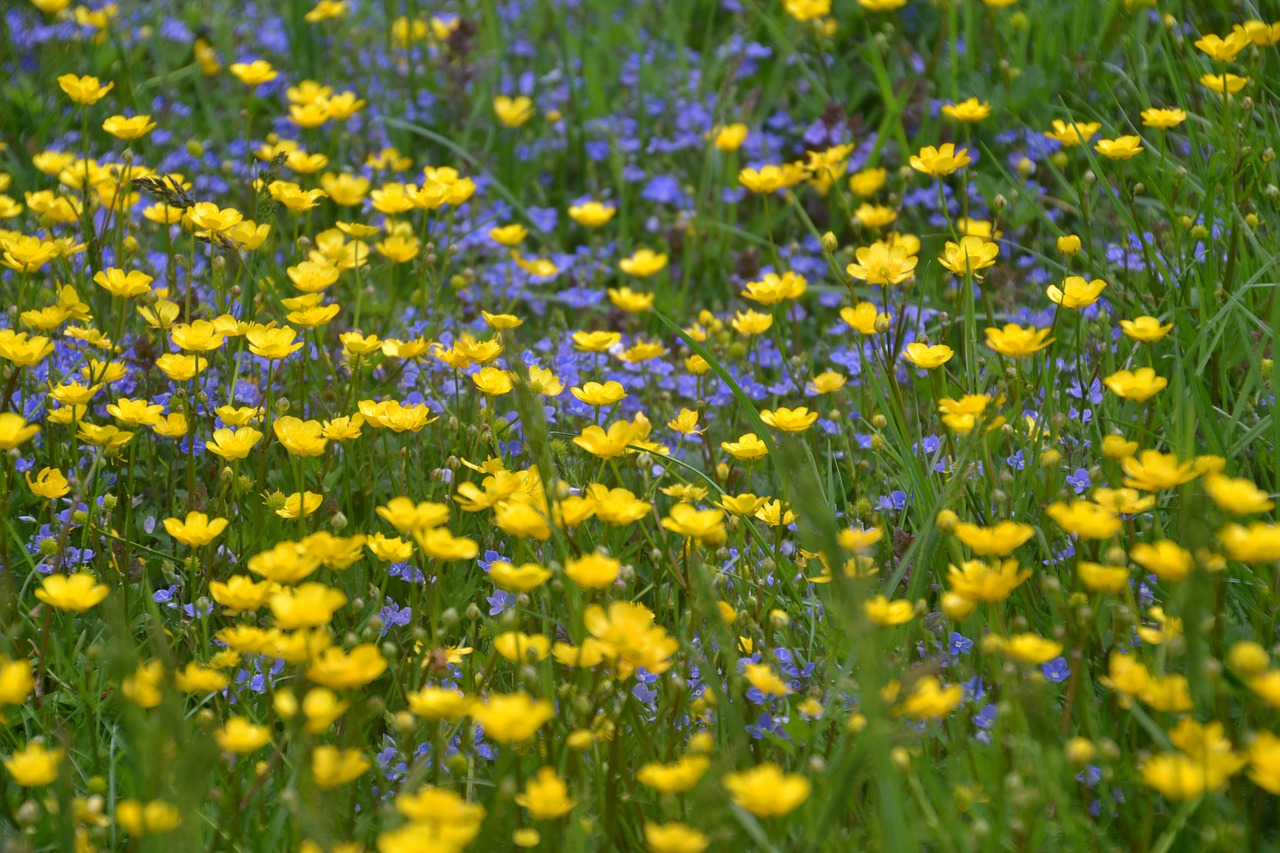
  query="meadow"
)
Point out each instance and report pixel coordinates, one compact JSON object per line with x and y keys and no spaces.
{"x":773,"y":425}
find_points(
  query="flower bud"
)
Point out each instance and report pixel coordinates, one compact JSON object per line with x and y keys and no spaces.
{"x":1248,"y":658}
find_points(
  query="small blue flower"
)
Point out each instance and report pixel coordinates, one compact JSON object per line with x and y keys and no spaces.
{"x":1056,"y":670}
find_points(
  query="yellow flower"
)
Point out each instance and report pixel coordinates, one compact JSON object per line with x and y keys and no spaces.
{"x":77,"y":592}
{"x":977,"y":581}
{"x":299,"y":505}
{"x":1016,"y":342}
{"x":642,"y":351}
{"x":826,"y":383}
{"x":616,"y":440}
{"x":626,"y":299}
{"x":926,"y":356}
{"x":139,"y":819}
{"x":540,"y":267}
{"x":197,"y":530}
{"x":970,"y":110}
{"x":643,"y":263}
{"x":593,"y":571}
{"x":1264,"y":761}
{"x":882,"y":5}
{"x":762,"y":677}
{"x":595,"y":341}
{"x":206,"y":216}
{"x":807,"y":10}
{"x":438,"y":703}
{"x":1236,"y":496}
{"x":501,"y":321}
{"x":85,"y":90}
{"x":1118,"y":447}
{"x":998,"y":540}
{"x":1125,"y":501}
{"x":970,"y":255}
{"x":867,"y":182}
{"x":875,"y":215}
{"x":1121,"y":148}
{"x":341,"y":670}
{"x":135,"y":412}
{"x":389,"y":549}
{"x":1260,"y":33}
{"x":307,"y":605}
{"x":49,"y":484}
{"x":133,"y":127}
{"x":233,"y":444}
{"x":274,"y":343}
{"x":1068,"y":244}
{"x":332,"y":767}
{"x":1076,"y":292}
{"x":864,"y":317}
{"x":104,"y":436}
{"x":1139,"y":385}
{"x":513,"y":112}
{"x":1084,"y":519}
{"x":1165,"y":559}
{"x":599,"y":395}
{"x":798,"y":419}
{"x":940,"y":161}
{"x":1030,"y":649}
{"x":1074,"y":133}
{"x":773,"y":288}
{"x":674,"y":838}
{"x":294,"y":197}
{"x":198,"y":678}
{"x":200,"y":336}
{"x":1224,"y":49}
{"x":685,"y":423}
{"x":546,"y":796}
{"x":125,"y":285}
{"x":240,"y":737}
{"x":676,"y":778}
{"x":729,"y":137}
{"x":1179,"y":776}
{"x":23,"y":350}
{"x":1100,"y":578}
{"x":492,"y":382}
{"x":750,"y":323}
{"x":706,"y":527}
{"x":882,"y":264}
{"x":747,"y":448}
{"x":34,"y":766}
{"x":1257,"y":543}
{"x":767,"y":791}
{"x":1223,"y":84}
{"x":1145,"y":329}
{"x":767,"y":179}
{"x":930,"y":700}
{"x":511,"y":718}
{"x":16,"y":681}
{"x":439,"y":544}
{"x":254,"y":74}
{"x":1153,"y":471}
{"x":1163,"y":119}
{"x":524,"y":578}
{"x":591,"y":214}
{"x":885,"y":613}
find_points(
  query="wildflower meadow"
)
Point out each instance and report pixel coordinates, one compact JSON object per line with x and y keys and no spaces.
{"x":749,"y":425}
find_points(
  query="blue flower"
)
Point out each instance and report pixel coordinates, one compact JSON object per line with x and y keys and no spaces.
{"x":1056,"y":670}
{"x":958,"y":644}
